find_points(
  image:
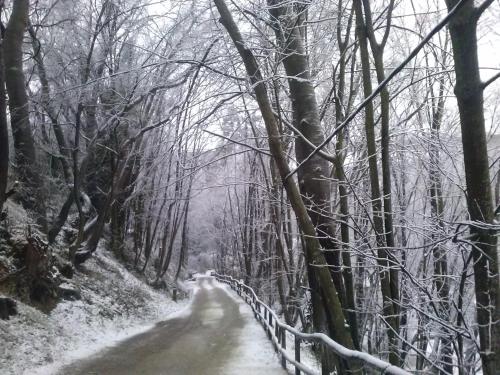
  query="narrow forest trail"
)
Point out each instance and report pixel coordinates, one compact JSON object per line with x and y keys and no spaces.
{"x":217,"y":336}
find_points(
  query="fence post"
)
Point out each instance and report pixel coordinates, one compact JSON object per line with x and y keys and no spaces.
{"x":283,"y":345}
{"x":324,"y":361}
{"x":297,"y":354}
{"x":270,"y":316}
{"x":270,"y":320}
{"x":328,"y":361}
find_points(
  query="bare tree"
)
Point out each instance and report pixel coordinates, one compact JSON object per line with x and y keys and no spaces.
{"x":388,"y":280}
{"x":4,"y":134}
{"x":469,"y":94}
{"x":24,"y":144}
{"x":327,"y":307}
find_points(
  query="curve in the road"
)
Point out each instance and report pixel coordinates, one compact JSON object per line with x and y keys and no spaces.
{"x":218,"y":337}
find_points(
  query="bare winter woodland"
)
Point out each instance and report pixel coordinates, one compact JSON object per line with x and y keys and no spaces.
{"x":341,"y":157}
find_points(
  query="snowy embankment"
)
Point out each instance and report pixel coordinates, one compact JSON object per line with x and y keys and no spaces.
{"x":255,"y":350}
{"x":258,"y":348}
{"x":114,"y":305}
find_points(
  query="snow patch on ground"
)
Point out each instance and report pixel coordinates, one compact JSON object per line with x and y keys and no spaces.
{"x":255,"y":351}
{"x":207,"y":284}
{"x":254,"y":339}
{"x":115,"y":305}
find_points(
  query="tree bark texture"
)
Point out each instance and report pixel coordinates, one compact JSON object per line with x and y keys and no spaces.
{"x":24,"y":144}
{"x":319,"y":275}
{"x":4,"y":134}
{"x":377,"y":210}
{"x":469,"y":94}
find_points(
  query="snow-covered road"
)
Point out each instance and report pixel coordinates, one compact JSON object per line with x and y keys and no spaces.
{"x":216,"y":335}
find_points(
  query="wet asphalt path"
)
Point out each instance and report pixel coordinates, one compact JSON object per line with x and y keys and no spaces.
{"x":201,"y":342}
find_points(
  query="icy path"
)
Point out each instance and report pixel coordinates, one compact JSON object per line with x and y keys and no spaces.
{"x":217,"y":336}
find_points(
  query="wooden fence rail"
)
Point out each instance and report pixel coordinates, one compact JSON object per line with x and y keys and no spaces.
{"x":276,"y":331}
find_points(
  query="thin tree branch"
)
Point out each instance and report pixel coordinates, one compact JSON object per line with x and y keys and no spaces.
{"x":238,"y":142}
{"x":490,"y":81}
{"x":384,"y":83}
{"x":481,"y":8}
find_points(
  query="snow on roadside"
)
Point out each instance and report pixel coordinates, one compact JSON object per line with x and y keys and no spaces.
{"x":256,"y":354}
{"x":115,"y":305}
{"x":255,"y":344}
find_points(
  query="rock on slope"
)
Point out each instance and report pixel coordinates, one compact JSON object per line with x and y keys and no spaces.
{"x":114,"y":304}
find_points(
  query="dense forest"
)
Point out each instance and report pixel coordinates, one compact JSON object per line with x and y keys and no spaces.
{"x":340,"y":157}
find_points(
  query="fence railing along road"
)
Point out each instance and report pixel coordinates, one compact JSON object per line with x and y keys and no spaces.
{"x":276,"y":331}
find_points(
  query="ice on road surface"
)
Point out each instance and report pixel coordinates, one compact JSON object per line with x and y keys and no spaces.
{"x":218,"y":336}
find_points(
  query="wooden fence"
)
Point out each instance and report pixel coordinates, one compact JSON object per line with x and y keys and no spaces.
{"x":276,"y":331}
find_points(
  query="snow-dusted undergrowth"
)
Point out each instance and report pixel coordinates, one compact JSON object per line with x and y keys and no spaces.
{"x":114,"y":305}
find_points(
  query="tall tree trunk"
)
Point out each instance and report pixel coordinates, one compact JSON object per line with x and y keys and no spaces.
{"x":313,"y":176}
{"x":340,"y":104}
{"x":47,"y":106}
{"x":378,"y":220}
{"x":441,"y":276}
{"x":184,"y":236}
{"x":377,"y":49}
{"x":469,"y":94}
{"x":25,"y":154}
{"x":4,"y":133}
{"x":119,"y":183}
{"x":319,"y":276}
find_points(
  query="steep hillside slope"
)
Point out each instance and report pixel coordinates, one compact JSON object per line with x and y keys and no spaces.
{"x":81,"y":312}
